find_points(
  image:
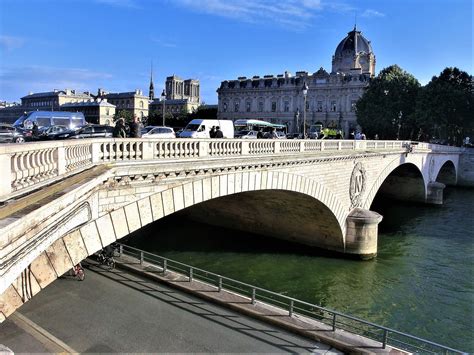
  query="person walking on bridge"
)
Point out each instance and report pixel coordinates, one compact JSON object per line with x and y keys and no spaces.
{"x":119,"y":129}
{"x":135,"y":128}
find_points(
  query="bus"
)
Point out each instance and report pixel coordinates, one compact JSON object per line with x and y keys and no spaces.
{"x":256,"y":125}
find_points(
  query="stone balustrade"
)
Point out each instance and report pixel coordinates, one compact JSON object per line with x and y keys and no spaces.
{"x":28,"y":166}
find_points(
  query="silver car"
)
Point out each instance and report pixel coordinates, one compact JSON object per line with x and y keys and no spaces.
{"x":160,"y":132}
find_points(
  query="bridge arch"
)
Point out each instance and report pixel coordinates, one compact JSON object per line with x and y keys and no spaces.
{"x":403,"y":180}
{"x":446,"y":173}
{"x":76,"y":245}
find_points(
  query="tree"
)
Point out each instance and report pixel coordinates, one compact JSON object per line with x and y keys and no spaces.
{"x":127,"y":115}
{"x":445,"y":108}
{"x":388,"y":104}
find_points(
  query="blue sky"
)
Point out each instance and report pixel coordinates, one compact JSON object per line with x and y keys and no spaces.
{"x":87,"y":44}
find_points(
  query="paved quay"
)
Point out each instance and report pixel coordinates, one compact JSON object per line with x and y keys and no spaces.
{"x":310,"y":329}
{"x":115,"y":311}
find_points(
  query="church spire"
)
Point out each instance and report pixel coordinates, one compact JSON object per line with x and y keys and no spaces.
{"x":151,"y":94}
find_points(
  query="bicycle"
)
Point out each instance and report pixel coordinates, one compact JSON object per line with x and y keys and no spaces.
{"x":78,"y":272}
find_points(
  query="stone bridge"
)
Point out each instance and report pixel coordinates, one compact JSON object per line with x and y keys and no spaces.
{"x":63,"y":201}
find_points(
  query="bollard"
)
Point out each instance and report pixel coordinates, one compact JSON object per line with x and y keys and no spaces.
{"x":220,"y":284}
{"x":165,"y":265}
{"x":291,"y":309}
{"x":190,"y":274}
{"x":253,"y":295}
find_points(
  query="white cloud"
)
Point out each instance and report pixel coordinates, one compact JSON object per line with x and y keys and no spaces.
{"x":372,"y":13}
{"x":293,"y":13}
{"x":9,"y":43}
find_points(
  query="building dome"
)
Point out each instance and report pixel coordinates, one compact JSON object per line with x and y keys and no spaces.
{"x":354,"y":54}
{"x":354,"y":43}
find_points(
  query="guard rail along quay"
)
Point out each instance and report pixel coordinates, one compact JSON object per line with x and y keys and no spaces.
{"x":313,"y":321}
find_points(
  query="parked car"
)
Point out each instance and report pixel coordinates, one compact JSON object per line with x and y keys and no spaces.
{"x":294,"y":136}
{"x":281,"y":135}
{"x":160,"y":132}
{"x":147,"y":129}
{"x":93,"y":131}
{"x":11,"y":134}
{"x":246,"y":134}
{"x":56,"y":132}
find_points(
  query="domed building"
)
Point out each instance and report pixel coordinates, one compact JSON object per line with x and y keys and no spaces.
{"x":330,"y":99}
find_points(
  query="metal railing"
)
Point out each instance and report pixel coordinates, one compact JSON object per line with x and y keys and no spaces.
{"x":334,"y":320}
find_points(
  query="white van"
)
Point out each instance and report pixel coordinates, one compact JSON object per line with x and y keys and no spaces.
{"x":198,"y":128}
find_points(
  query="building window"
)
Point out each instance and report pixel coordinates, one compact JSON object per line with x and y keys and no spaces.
{"x":247,"y":106}
{"x":274,"y":106}
{"x":225,"y":107}
{"x":141,"y":104}
{"x":236,"y":106}
{"x":107,"y":112}
{"x":287,"y":106}
{"x":333,"y":106}
{"x":260,"y":106}
{"x":320,"y":106}
{"x":353,"y":105}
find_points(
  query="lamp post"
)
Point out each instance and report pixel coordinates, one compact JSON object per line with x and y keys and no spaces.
{"x":305,"y":92}
{"x":163,"y":100}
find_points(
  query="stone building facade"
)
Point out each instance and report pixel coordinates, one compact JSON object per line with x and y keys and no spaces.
{"x":134,"y":102}
{"x":181,"y":96}
{"x":98,"y":111}
{"x":330,"y":99}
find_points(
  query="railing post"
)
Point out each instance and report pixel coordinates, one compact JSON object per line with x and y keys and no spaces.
{"x":96,"y":152}
{"x":61,"y":160}
{"x":6,"y":169}
{"x":120,"y":250}
{"x":254,"y":294}
{"x":245,"y":147}
{"x":385,"y":336}
{"x":290,"y":313}
{"x":203,"y":147}
{"x":219,"y":287}
{"x":334,"y":322}
{"x":339,"y":145}
{"x":165,"y":266}
{"x":302,"y":145}
{"x":148,"y":150}
{"x":190,"y":274}
{"x":276,"y":146}
{"x":141,"y":258}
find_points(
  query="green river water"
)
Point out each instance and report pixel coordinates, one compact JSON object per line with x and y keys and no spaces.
{"x":421,"y":281}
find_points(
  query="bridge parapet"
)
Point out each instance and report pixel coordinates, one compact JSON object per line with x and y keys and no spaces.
{"x":32,"y":165}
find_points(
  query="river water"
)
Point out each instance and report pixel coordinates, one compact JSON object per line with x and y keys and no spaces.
{"x":421,"y":281}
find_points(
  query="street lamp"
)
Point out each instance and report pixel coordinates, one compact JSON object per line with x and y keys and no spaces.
{"x":163,"y":100}
{"x":305,"y":92}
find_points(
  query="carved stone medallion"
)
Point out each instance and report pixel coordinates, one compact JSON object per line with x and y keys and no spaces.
{"x":357,"y":185}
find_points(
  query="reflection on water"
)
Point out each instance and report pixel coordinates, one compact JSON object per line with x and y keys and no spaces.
{"x":421,"y":281}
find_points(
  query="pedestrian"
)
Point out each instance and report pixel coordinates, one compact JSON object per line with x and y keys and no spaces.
{"x":135,"y":128}
{"x":352,"y":135}
{"x":272,"y":134}
{"x":358,"y":136}
{"x":219,"y":133}
{"x":362,"y":136}
{"x":119,"y":129}
{"x":339,"y":135}
{"x":35,"y":130}
{"x":212,"y":132}
{"x":376,"y":137}
{"x":259,"y":134}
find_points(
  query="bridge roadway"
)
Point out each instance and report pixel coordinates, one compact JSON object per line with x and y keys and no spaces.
{"x":115,"y":311}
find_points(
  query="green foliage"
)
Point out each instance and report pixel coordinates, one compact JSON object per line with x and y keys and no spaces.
{"x":127,"y":115}
{"x":388,"y":105}
{"x":445,"y":108}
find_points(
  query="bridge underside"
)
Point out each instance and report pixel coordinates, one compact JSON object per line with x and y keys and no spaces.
{"x":283,"y":214}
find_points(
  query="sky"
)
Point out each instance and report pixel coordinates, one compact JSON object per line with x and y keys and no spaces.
{"x":111,"y":44}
